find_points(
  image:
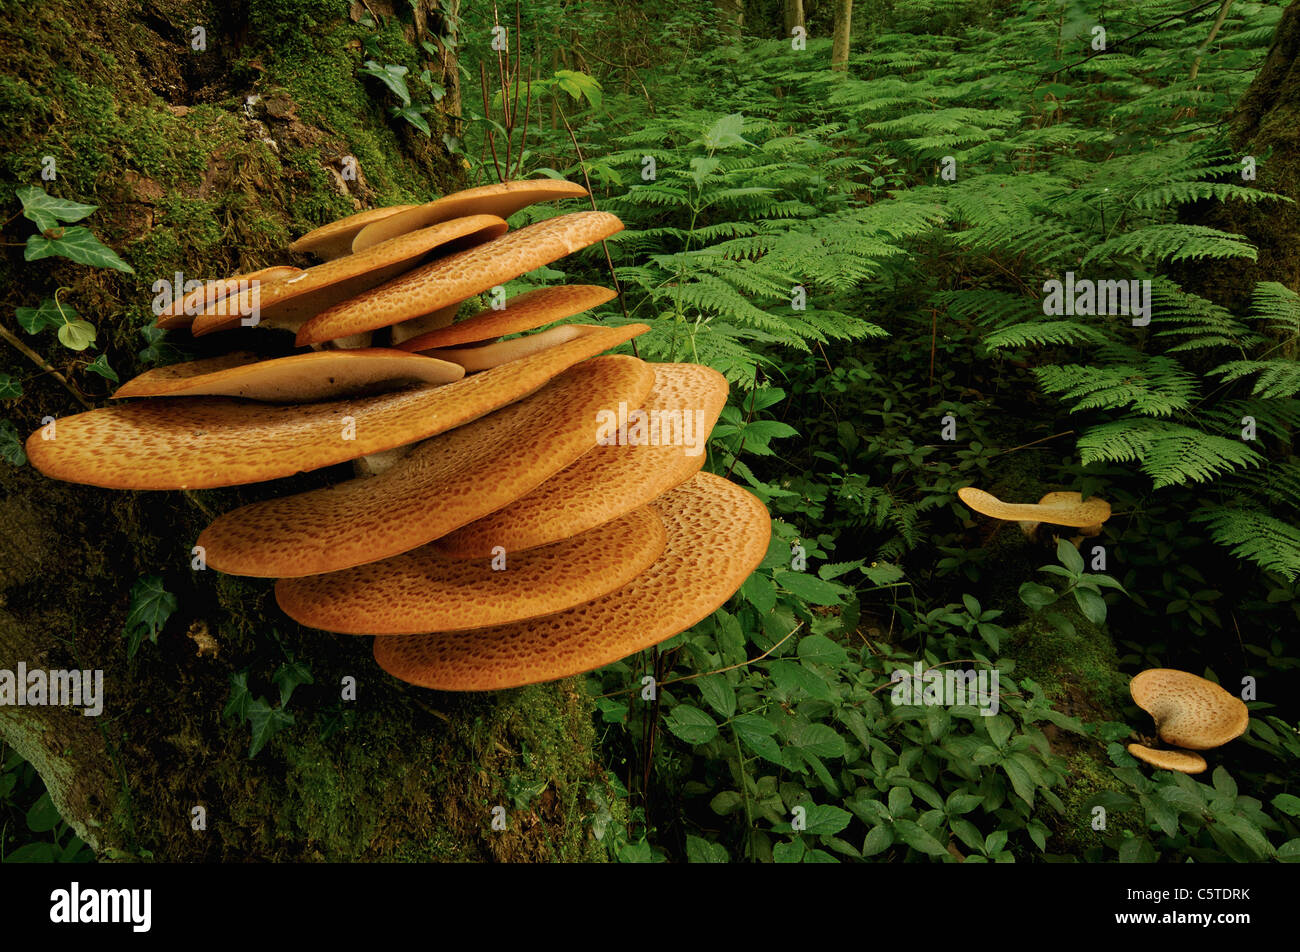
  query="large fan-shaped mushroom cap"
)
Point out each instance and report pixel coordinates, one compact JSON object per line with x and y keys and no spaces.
{"x":439,"y":486}
{"x":1189,"y":711}
{"x":523,"y":312}
{"x":205,"y":442}
{"x":299,"y":378}
{"x":181,"y":313}
{"x":717,"y":534}
{"x":502,"y":199}
{"x":335,"y":239}
{"x":288,"y":302}
{"x":459,"y":276}
{"x":1181,"y":761}
{"x":421,"y":591}
{"x":1066,"y":509}
{"x":608,"y":481}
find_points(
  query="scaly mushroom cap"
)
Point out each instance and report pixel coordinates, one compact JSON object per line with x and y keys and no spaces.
{"x":486,"y":356}
{"x":404,"y":331}
{"x":335,"y":239}
{"x":181,"y":313}
{"x":1183,"y":761}
{"x":523,"y":312}
{"x":1189,"y":711}
{"x":717,"y":534}
{"x":502,"y":200}
{"x":299,"y":378}
{"x":606,"y":482}
{"x":289,"y":302}
{"x":421,"y":591}
{"x":441,"y":485}
{"x":460,"y":276}
{"x":1065,"y":512}
{"x":205,"y":442}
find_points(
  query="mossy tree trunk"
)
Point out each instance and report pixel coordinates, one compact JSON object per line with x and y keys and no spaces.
{"x":208,"y":162}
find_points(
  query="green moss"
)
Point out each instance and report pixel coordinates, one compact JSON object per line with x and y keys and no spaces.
{"x":292,"y":24}
{"x":1079,"y":668}
{"x":1088,"y":777}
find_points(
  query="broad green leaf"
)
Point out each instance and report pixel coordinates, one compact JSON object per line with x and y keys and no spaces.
{"x":1069,"y":556}
{"x":823,"y":818}
{"x":792,"y":678}
{"x":878,"y":840}
{"x":267,"y":721}
{"x":759,"y":591}
{"x":46,"y":211}
{"x":76,"y":244}
{"x":100,"y":366}
{"x":1091,"y":604}
{"x":810,"y":588}
{"x":1287,"y":803}
{"x":726,"y":802}
{"x":914,"y":836}
{"x":691,"y":724}
{"x":150,"y":607}
{"x":817,"y":739}
{"x":392,"y":76}
{"x":42,"y":817}
{"x":289,"y":676}
{"x":725,"y":132}
{"x":77,"y":335}
{"x":790,"y":851}
{"x":699,"y":850}
{"x":821,"y":650}
{"x":1035,"y":595}
{"x":240,"y":697}
{"x":718,"y":694}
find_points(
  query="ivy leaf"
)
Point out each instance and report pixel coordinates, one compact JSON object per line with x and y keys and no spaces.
{"x":47,"y":211}
{"x":100,"y":366}
{"x":10,"y":388}
{"x":50,"y":313}
{"x":288,"y":677}
{"x":11,"y":447}
{"x":151,"y":605}
{"x":76,"y":244}
{"x":240,"y":697}
{"x":77,"y":335}
{"x":267,"y":721}
{"x":158,"y":350}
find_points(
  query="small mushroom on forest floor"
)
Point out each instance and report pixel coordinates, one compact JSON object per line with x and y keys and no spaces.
{"x":298,"y":378}
{"x":717,"y":534}
{"x":1182,"y":761}
{"x":1188,"y":710}
{"x":502,"y":199}
{"x":458,"y":276}
{"x":206,"y":442}
{"x":610,"y":480}
{"x":440,"y":485}
{"x":523,"y":312}
{"x":335,"y":239}
{"x":421,"y":591}
{"x":289,"y":302}
{"x":1055,"y":508}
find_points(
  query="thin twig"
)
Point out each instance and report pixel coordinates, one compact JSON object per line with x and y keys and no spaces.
{"x":40,"y":361}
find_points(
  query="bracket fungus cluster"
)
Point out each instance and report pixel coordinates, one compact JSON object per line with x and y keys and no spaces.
{"x":494,"y":537}
{"x":1056,"y":510}
{"x":1190,"y":713}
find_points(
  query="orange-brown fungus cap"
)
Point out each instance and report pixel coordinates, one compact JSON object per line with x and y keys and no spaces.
{"x":293,"y":300}
{"x":1182,"y":761}
{"x":421,"y":591}
{"x":524,"y":312}
{"x":1066,"y":512}
{"x":610,"y":480}
{"x":1189,"y":711}
{"x":717,"y":534}
{"x":204,"y":442}
{"x":479,"y":357}
{"x":319,"y":375}
{"x":460,"y":276}
{"x":335,"y":239}
{"x":181,"y":313}
{"x":439,"y":486}
{"x":502,"y":200}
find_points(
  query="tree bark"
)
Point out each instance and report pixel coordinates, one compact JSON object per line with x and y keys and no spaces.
{"x":792,"y":11}
{"x":840,"y":41}
{"x":246,"y":151}
{"x":732,"y":14}
{"x":1266,"y":122}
